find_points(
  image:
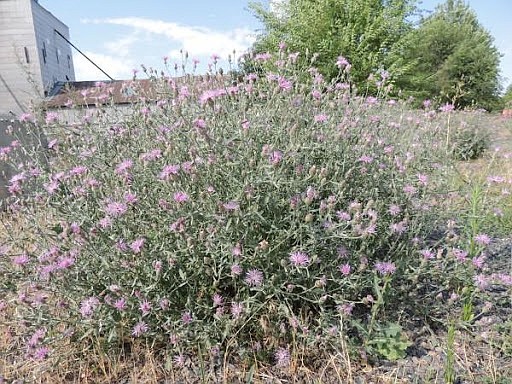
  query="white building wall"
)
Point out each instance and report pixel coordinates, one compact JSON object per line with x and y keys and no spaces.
{"x":26,"y":28}
{"x":55,"y":56}
{"x":19,"y":62}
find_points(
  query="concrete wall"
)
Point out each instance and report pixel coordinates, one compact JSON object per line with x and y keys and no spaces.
{"x":17,"y":44}
{"x":55,"y":58}
{"x":31,"y":139}
{"x":26,"y":30}
{"x":106,"y":114}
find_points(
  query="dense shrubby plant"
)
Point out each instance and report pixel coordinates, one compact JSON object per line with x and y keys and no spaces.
{"x":367,"y":32}
{"x":458,"y":65}
{"x":243,"y":217}
{"x":469,"y":143}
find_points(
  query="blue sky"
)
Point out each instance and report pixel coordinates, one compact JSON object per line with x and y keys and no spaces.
{"x":121,"y":35}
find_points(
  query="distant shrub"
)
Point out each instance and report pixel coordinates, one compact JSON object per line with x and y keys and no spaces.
{"x":469,"y":142}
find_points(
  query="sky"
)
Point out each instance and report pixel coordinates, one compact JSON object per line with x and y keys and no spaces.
{"x":119,"y":36}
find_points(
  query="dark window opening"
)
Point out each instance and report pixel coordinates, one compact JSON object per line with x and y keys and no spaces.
{"x":69,"y":62}
{"x":44,"y":53}
{"x":57,"y":55}
{"x":27,"y":57}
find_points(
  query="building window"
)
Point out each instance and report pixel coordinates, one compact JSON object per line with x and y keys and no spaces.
{"x":57,"y":55}
{"x":69,"y":62}
{"x":27,"y":57}
{"x":44,"y":52}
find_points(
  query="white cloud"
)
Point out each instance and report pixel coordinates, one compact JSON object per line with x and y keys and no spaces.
{"x":197,"y":41}
{"x":123,"y":46}
{"x":116,"y":67}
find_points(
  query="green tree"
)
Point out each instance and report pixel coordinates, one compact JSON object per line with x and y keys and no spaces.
{"x":507,"y":97}
{"x":452,"y":58}
{"x":363,"y":31}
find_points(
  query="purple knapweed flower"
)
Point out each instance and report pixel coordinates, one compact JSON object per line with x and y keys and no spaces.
{"x":343,"y":216}
{"x":145,"y":307}
{"x":78,"y":170}
{"x":299,"y":259}
{"x":366,"y":159}
{"x":169,"y":171}
{"x":481,"y":281}
{"x":36,"y":337}
{"x":254,"y":277}
{"x":341,"y":62}
{"x":423,"y":179}
{"x":136,"y":245}
{"x":236,"y":309}
{"x":180,"y":197}
{"x":186,"y":317}
{"x":140,"y":328}
{"x":427,"y":254}
{"x":345,"y":269}
{"x":51,"y":117}
{"x":482,"y":239}
{"x":75,"y":228}
{"x":20,"y":259}
{"x":130,"y":198}
{"x":346,"y":308}
{"x":199,"y":123}
{"x":41,"y":353}
{"x":385,"y":268}
{"x":316,"y":94}
{"x":398,"y":228}
{"x":275,"y":157}
{"x":231,"y":205}
{"x":218,"y":300}
{"x":236,"y":270}
{"x":282,"y":357}
{"x":342,"y":251}
{"x":479,"y":261}
{"x":105,"y":222}
{"x":164,"y":304}
{"x":26,"y":117}
{"x":284,"y":83}
{"x":187,"y":167}
{"x":115,"y":209}
{"x":447,"y":107}
{"x":120,"y":304}
{"x":237,"y":250}
{"x":263,"y":57}
{"x":311,"y":193}
{"x":65,"y":262}
{"x":460,"y":254}
{"x":157,"y":266}
{"x":151,"y":155}
{"x":321,"y":118}
{"x":178,"y":226}
{"x":88,"y":306}
{"x":394,"y":210}
{"x":409,"y":190}
{"x":123,"y":167}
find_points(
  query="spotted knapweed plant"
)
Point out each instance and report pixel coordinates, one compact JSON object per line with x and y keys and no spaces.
{"x":243,"y":215}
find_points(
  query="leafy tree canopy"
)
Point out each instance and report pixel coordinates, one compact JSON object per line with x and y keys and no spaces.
{"x":507,"y":97}
{"x":363,"y":31}
{"x":451,"y":58}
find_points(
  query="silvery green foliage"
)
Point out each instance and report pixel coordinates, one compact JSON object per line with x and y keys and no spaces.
{"x":233,"y":214}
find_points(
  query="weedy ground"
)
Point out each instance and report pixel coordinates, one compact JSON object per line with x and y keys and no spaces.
{"x":265,"y":232}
